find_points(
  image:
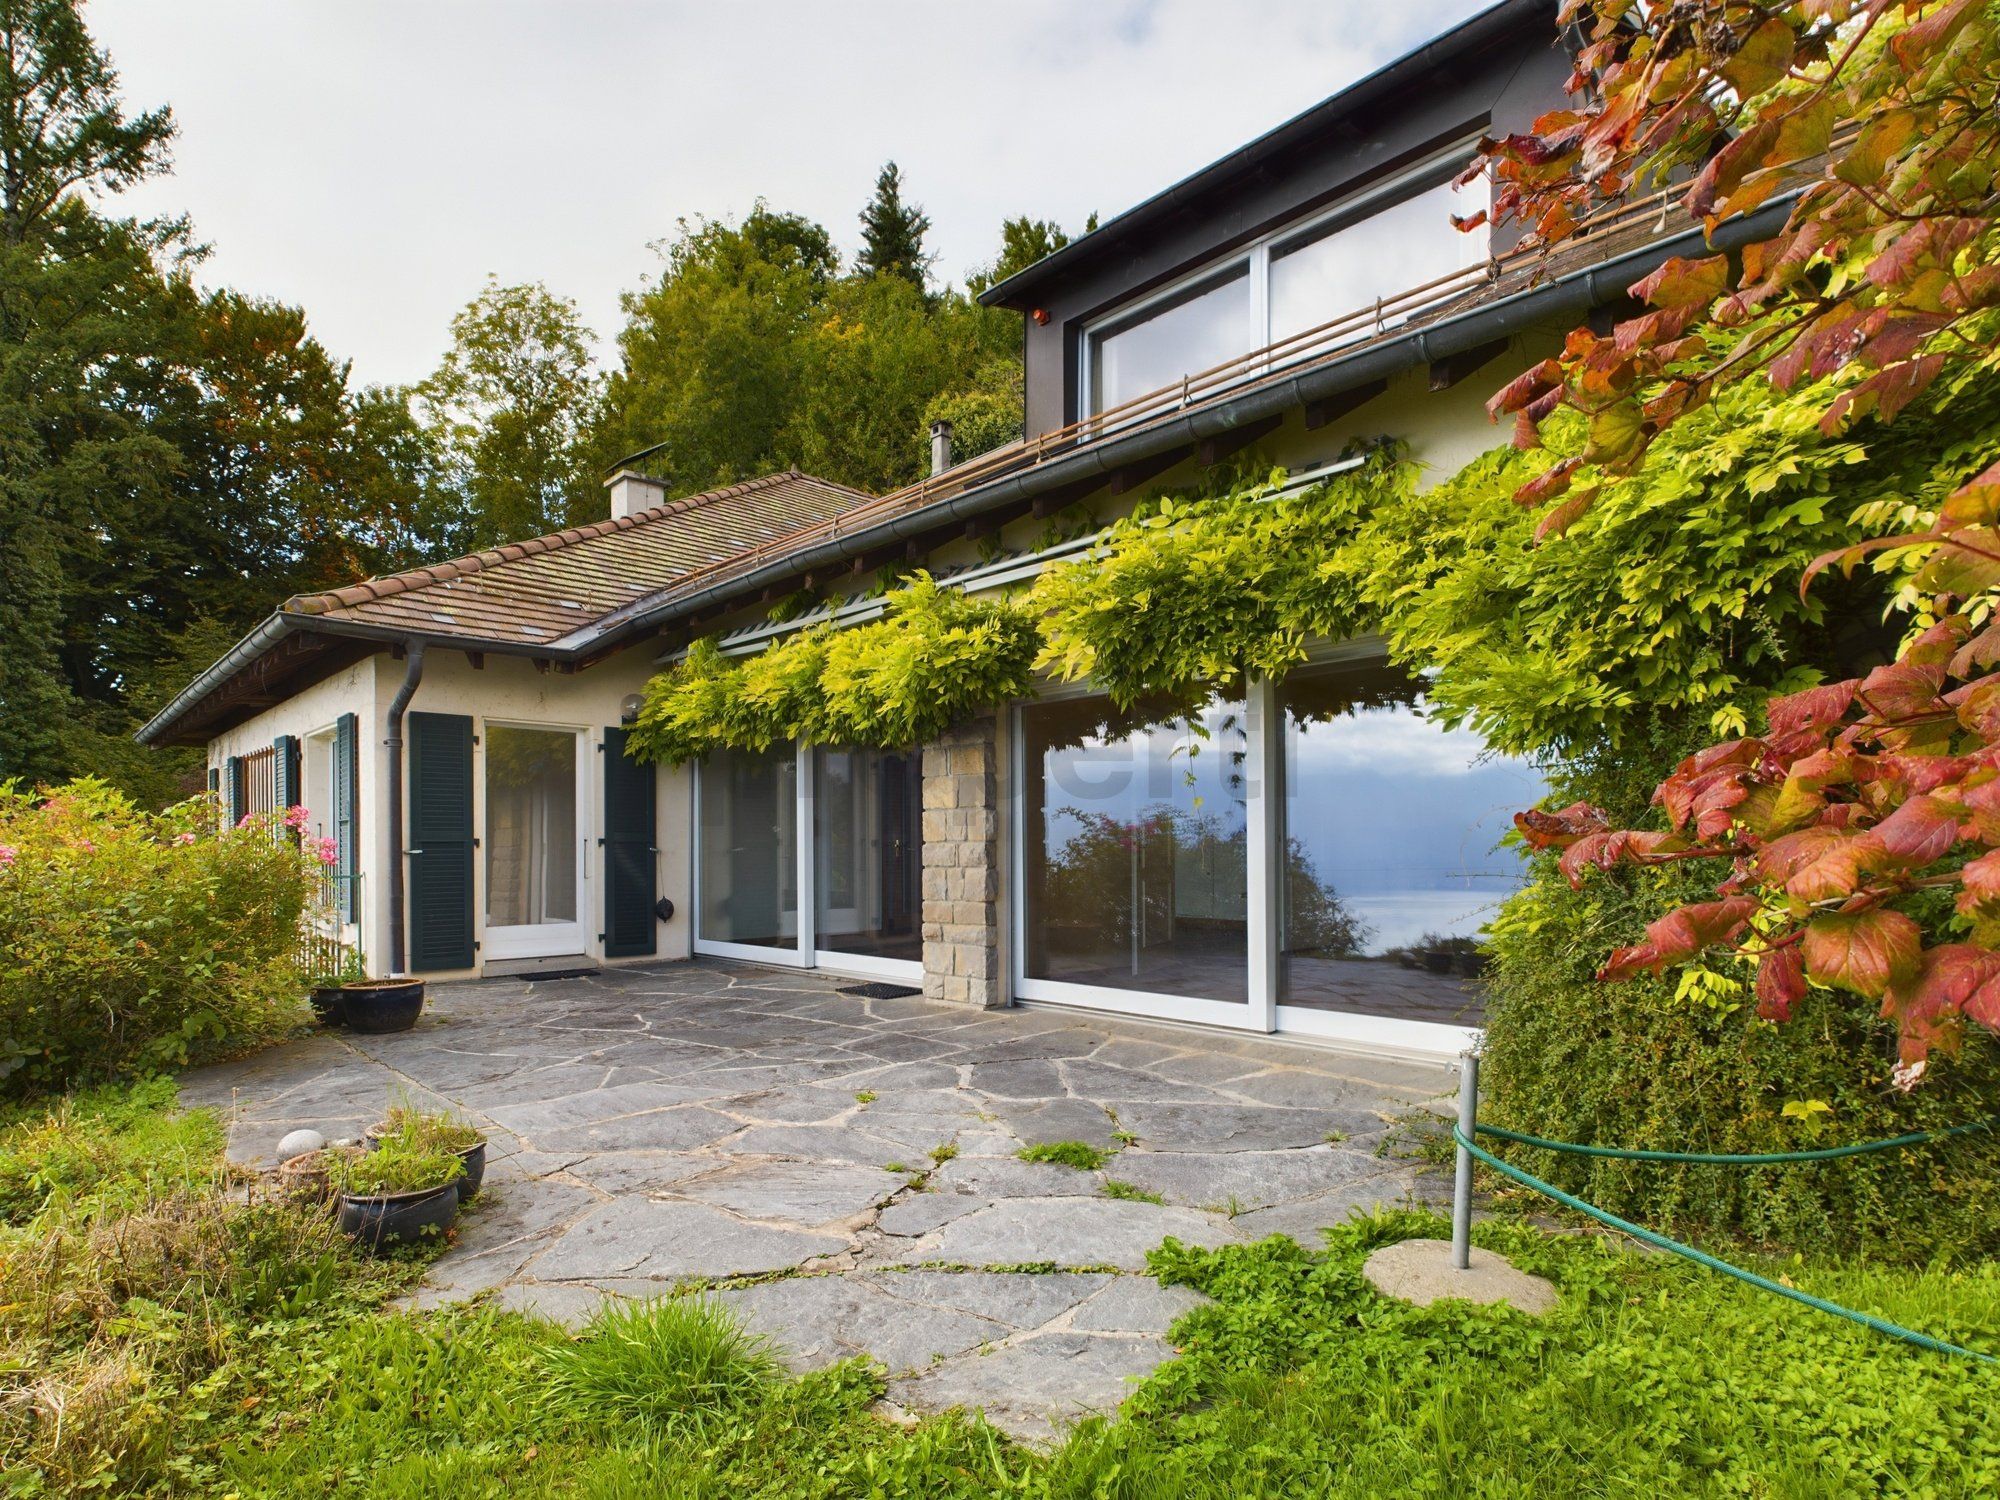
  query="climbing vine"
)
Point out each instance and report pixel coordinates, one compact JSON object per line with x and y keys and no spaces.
{"x":1676,"y":593}
{"x":935,"y":658}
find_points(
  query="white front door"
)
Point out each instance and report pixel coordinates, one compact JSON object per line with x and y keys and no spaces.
{"x":534,"y":841}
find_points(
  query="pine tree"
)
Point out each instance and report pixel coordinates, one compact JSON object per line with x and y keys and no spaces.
{"x":892,"y":233}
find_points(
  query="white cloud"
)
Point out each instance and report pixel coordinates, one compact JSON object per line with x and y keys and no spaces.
{"x":372,"y":160}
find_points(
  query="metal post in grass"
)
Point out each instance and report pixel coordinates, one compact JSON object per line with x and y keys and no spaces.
{"x":1461,"y":1187}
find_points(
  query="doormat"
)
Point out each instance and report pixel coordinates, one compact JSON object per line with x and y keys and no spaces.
{"x":537,"y":978}
{"x":873,"y":991}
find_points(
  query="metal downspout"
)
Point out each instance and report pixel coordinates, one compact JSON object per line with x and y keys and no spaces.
{"x":413,"y":673}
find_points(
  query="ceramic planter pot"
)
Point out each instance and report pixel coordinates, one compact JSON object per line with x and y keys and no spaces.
{"x":381,"y":1005}
{"x":329,"y":1003}
{"x":378,"y":1219}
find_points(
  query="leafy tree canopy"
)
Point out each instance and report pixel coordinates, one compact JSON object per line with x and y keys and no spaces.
{"x":510,"y":405}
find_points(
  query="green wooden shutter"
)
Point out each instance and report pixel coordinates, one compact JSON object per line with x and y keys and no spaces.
{"x":239,"y":792}
{"x":345,"y":810}
{"x":440,"y":841}
{"x":285,"y":770}
{"x":629,"y":828}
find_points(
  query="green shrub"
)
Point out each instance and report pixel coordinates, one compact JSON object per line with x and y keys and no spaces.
{"x":133,"y":941}
{"x":671,"y":1366}
{"x":1683,"y":1064}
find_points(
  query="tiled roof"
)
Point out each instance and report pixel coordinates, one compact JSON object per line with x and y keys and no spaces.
{"x":537,"y":592}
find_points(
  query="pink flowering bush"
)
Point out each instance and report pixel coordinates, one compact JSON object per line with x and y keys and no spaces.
{"x":133,"y":941}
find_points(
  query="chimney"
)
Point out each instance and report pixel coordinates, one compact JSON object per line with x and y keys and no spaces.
{"x":940,"y":448}
{"x":632,"y":492}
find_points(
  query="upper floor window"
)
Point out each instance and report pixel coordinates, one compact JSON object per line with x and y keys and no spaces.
{"x":1365,"y":252}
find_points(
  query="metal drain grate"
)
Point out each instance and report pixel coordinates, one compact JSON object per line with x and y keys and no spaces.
{"x":872,"y":991}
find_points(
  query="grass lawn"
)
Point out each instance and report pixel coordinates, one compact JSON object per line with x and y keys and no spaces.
{"x":160,"y":1332}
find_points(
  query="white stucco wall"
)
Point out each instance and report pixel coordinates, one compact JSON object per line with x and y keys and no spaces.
{"x":505,"y":690}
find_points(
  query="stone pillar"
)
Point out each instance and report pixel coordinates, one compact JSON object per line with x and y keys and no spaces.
{"x":962,"y":867}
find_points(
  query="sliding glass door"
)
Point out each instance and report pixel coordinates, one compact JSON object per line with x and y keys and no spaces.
{"x":1318,"y":857}
{"x":747,"y":879}
{"x":1394,"y":860}
{"x":867,"y":859}
{"x":832,"y":835}
{"x":1134,"y":859}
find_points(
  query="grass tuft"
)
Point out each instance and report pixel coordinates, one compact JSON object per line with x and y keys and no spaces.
{"x":1078,"y":1154}
{"x":1130,"y":1191}
{"x":675,"y":1365}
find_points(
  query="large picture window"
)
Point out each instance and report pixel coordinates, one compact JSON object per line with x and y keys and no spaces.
{"x":1379,"y":244}
{"x":1134,"y":859}
{"x":1392,"y":854}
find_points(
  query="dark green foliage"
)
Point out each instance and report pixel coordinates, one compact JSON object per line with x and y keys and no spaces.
{"x":892,"y":233}
{"x":1682,"y":1064}
{"x":751,"y":353}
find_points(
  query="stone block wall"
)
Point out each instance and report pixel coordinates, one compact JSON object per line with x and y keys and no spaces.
{"x":962,"y":867}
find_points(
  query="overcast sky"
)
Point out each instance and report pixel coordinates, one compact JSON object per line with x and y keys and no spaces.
{"x":374,"y":160}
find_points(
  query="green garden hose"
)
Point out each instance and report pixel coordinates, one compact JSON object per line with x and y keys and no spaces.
{"x":1741,"y":1159}
{"x":1701,"y":1258}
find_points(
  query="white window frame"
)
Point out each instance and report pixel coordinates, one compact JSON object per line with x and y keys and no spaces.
{"x":537,"y":939}
{"x":1264,"y":839}
{"x":804,"y":953}
{"x":1420,"y":177}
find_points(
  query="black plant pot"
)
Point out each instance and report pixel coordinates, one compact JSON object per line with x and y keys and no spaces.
{"x":329,"y":1004}
{"x":397,"y":1218}
{"x":380,"y":1005}
{"x":474,"y":1157}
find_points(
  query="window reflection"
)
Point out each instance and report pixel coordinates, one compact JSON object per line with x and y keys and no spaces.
{"x":1393,"y":861}
{"x":868,"y":852}
{"x":1194,"y":332}
{"x":749,"y":848}
{"x":1391,"y":251}
{"x":1134,"y":873}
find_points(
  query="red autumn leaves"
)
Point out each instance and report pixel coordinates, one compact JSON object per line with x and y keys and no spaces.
{"x":1875,"y":119}
{"x":1860,"y":799}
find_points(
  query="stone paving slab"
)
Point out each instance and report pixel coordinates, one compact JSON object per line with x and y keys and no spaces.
{"x":696,"y":1125}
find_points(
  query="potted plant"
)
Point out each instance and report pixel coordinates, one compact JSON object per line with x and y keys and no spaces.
{"x":381,"y":1005}
{"x":408,"y":1127}
{"x":396,"y":1193}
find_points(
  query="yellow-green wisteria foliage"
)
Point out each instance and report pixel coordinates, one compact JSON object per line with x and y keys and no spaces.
{"x":1677,"y":592}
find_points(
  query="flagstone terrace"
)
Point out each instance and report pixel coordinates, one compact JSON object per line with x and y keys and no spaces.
{"x":843,"y":1170}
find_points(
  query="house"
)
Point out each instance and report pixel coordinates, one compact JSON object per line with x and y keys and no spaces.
{"x":459,"y":729}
